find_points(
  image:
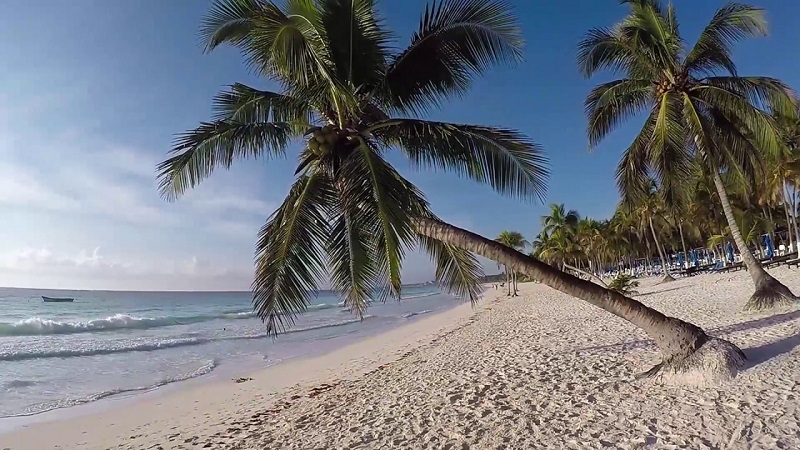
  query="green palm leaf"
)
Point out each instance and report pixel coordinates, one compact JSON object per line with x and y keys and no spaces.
{"x":359,"y":46}
{"x":456,"y":40}
{"x":391,"y":202}
{"x":501,"y":158}
{"x":290,"y":259}
{"x":351,"y":259}
{"x":457,"y":270}
{"x":198,"y":152}
{"x":732,"y":23}
{"x":668,"y":157}
{"x":230,"y":21}
{"x":609,"y":104}
{"x":242,"y":103}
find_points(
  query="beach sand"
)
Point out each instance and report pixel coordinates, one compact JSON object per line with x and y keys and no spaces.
{"x":541,"y":370}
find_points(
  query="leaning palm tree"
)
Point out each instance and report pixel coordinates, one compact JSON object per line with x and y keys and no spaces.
{"x":350,"y":216}
{"x":698,"y":108}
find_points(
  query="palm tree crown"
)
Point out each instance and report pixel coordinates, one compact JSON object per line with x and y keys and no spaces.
{"x":700,"y":111}
{"x":697,"y":104}
{"x":350,"y":216}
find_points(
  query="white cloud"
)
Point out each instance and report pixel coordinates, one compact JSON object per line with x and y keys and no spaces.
{"x":89,"y":269}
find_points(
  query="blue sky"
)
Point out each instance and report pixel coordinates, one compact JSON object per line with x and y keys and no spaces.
{"x":92,"y":92}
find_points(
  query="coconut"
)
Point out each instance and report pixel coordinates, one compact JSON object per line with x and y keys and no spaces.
{"x":313,"y":145}
{"x":320,"y":138}
{"x":324,"y":149}
{"x":330,"y":139}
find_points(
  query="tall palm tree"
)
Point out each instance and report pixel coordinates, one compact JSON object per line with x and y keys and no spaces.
{"x":699,"y":108}
{"x":515,"y":240}
{"x":349,"y":214}
{"x":650,"y":208}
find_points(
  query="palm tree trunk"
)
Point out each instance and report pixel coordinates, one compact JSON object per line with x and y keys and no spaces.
{"x":667,"y":276}
{"x":788,"y":221}
{"x":508,"y":282}
{"x":794,"y":219}
{"x":649,"y":255}
{"x":683,"y":243}
{"x":769,"y":291}
{"x":685,"y":348}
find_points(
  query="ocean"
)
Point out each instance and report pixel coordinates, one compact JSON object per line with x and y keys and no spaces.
{"x":106,"y":344}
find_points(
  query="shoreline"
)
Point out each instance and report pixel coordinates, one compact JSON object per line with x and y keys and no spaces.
{"x":88,"y":424}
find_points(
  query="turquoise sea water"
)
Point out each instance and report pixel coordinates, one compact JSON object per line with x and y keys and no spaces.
{"x":57,"y":355}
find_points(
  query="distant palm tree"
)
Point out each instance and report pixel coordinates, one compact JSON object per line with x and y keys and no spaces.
{"x":515,"y":240}
{"x":649,"y":208}
{"x":349,"y":215}
{"x":695,"y":115}
{"x":559,"y":220}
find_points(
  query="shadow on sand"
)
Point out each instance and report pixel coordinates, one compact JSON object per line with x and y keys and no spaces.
{"x":755,"y":355}
{"x":661,"y":290}
{"x":757,"y":323}
{"x":763,"y":353}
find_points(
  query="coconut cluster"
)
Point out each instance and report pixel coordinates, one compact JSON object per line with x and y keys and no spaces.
{"x":324,"y":140}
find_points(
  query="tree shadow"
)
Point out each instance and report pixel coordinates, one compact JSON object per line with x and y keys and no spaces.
{"x":756,"y":323}
{"x":763,"y":353}
{"x":733,"y":328}
{"x":661,"y":290}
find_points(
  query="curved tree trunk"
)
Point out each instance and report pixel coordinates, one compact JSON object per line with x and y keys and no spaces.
{"x":769,"y":291}
{"x":667,"y":276}
{"x":685,"y":348}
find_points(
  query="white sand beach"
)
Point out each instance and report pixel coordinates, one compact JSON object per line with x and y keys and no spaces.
{"x":538,"y":371}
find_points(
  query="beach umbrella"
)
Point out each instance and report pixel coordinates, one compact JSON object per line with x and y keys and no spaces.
{"x":768,"y":244}
{"x":729,"y":250}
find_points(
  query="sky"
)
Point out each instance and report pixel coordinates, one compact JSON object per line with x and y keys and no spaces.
{"x":92,"y":93}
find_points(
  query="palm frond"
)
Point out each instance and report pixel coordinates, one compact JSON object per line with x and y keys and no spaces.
{"x":760,"y":125}
{"x":647,"y":29}
{"x":290,"y":258}
{"x":351,"y":255}
{"x":198,"y":152}
{"x":731,"y":23}
{"x":761,"y":92}
{"x":241,"y":103}
{"x":668,"y":156}
{"x":633,"y":171}
{"x":603,"y":48}
{"x":391,"y":202}
{"x":231,"y":21}
{"x":359,"y":46}
{"x":609,"y":104}
{"x":502,"y":158}
{"x":457,"y":270}
{"x":456,"y":40}
{"x":289,"y":46}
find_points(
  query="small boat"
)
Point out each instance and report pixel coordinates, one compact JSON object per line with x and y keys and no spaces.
{"x":57,"y":299}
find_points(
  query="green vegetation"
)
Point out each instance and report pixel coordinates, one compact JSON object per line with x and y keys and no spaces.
{"x":702,"y":116}
{"x":350,"y":217}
